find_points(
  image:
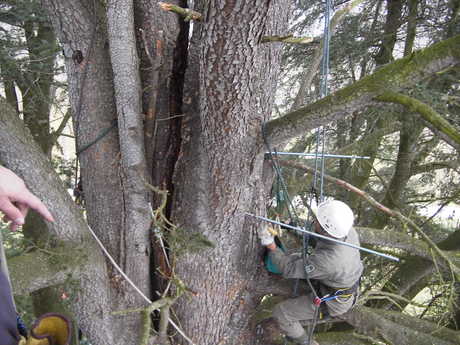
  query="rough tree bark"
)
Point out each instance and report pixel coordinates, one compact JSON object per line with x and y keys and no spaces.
{"x":91,"y":298}
{"x":230,"y":84}
{"x":81,"y":28}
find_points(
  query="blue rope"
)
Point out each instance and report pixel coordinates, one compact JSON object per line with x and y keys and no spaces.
{"x":321,"y":141}
{"x":22,"y":329}
{"x":324,"y":91}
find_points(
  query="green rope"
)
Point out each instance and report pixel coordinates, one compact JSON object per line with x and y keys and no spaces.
{"x":101,"y":135}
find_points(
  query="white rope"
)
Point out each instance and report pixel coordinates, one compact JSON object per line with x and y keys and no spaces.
{"x":132,"y":284}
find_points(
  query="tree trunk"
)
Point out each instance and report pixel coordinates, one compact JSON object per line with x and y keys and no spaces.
{"x":81,"y":28}
{"x":229,"y":84}
{"x":90,"y":296}
{"x":393,"y":22}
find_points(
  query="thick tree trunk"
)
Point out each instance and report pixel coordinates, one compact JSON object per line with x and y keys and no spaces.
{"x":136,"y":215}
{"x":81,"y":28}
{"x":91,"y":298}
{"x":229,"y":88}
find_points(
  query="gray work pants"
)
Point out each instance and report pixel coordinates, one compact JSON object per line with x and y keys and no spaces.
{"x":290,"y":312}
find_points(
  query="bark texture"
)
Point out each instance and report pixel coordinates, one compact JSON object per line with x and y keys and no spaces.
{"x":96,"y":101}
{"x":219,"y":175}
{"x":91,"y":298}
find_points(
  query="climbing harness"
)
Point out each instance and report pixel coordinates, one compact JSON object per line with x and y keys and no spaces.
{"x":333,"y":293}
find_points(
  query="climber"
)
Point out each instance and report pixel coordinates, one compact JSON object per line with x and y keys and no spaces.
{"x":15,"y":201}
{"x":336,"y":270}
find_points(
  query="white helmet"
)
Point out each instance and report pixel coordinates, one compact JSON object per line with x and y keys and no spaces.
{"x":335,"y":217}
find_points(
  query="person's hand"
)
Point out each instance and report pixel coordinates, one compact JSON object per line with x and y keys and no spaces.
{"x":265,"y":235}
{"x":16,"y":199}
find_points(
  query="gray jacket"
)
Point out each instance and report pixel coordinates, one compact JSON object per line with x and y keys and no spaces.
{"x":333,"y":264}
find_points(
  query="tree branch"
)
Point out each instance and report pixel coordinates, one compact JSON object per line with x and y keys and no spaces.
{"x":20,"y":153}
{"x":374,"y":203}
{"x":393,"y":239}
{"x":58,"y":132}
{"x":289,"y":39}
{"x":432,"y":117}
{"x":432,"y":166}
{"x":312,"y":69}
{"x":128,"y":97}
{"x":399,"y":328}
{"x":401,"y":73}
{"x":39,"y":269}
{"x":187,"y":13}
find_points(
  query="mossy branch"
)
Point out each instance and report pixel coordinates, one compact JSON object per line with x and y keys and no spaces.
{"x":42,"y":268}
{"x":395,"y":76}
{"x":187,"y":13}
{"x":399,"y":328}
{"x":370,"y":295}
{"x":428,"y":114}
{"x":163,"y":305}
{"x":289,"y":39}
{"x":405,"y":220}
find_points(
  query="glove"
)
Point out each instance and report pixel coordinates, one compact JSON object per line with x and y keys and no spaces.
{"x":49,"y":329}
{"x":266,"y":235}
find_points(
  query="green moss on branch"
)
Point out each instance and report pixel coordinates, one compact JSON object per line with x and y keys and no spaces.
{"x":428,"y":113}
{"x":42,"y":268}
{"x":400,"y":74}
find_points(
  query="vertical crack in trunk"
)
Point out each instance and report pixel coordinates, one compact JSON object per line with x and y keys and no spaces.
{"x":166,"y":139}
{"x":176,"y":95}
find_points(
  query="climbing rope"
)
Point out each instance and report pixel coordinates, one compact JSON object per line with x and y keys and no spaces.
{"x":295,"y":218}
{"x":101,"y":135}
{"x":130,"y":282}
{"x":320,"y":141}
{"x":317,"y":180}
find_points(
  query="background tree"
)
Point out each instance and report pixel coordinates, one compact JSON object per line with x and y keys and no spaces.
{"x":151,"y":106}
{"x":29,"y":67}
